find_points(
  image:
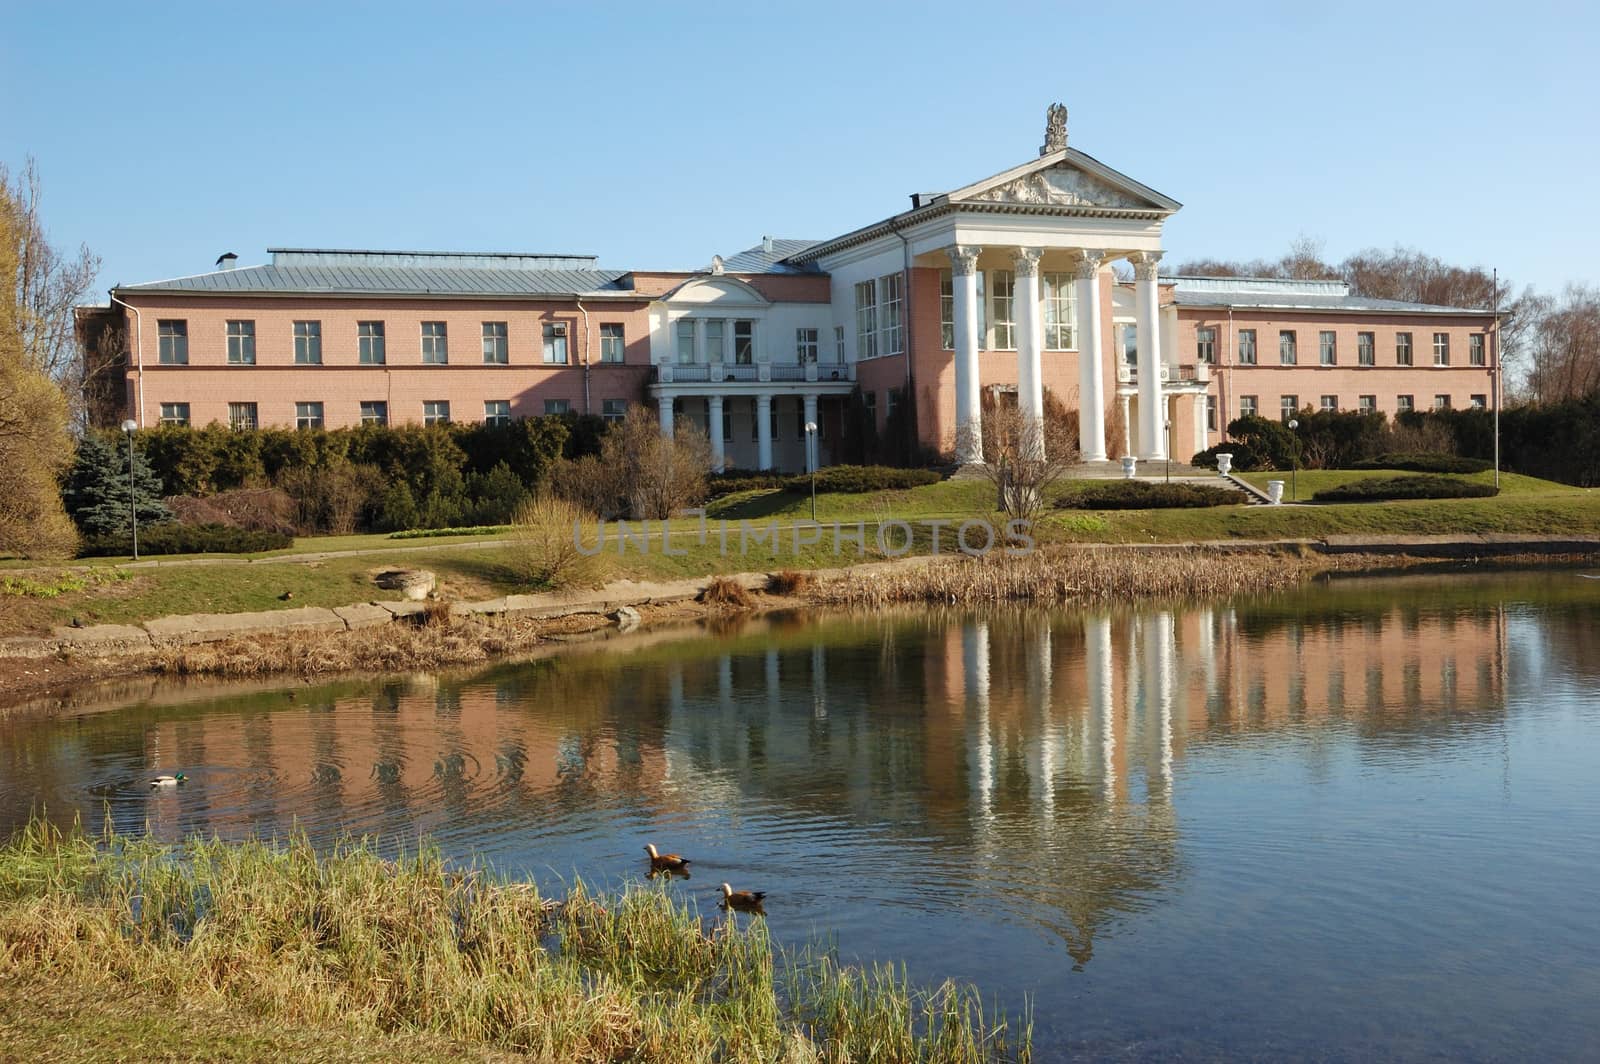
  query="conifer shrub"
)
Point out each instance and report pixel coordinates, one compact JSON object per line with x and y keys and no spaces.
{"x":1149,"y":495}
{"x":1379,"y":489}
{"x":173,"y":538}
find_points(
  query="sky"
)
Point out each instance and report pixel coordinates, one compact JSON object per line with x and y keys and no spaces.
{"x":657,"y":135}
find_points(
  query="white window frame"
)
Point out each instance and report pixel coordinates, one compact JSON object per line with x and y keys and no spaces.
{"x":891,"y":298}
{"x":1288,"y":406}
{"x":685,"y":341}
{"x":553,"y":342}
{"x":242,"y":342}
{"x":497,"y":411}
{"x":309,"y":414}
{"x":806,"y":346}
{"x":1366,"y":349}
{"x":435,"y":343}
{"x":613,"y":410}
{"x":866,"y":320}
{"x":373,"y":411}
{"x":744,"y":342}
{"x":174,"y":414}
{"x":172,"y":342}
{"x":308,"y":343}
{"x":1247,"y":347}
{"x":1329,"y":404}
{"x":1405,"y":351}
{"x":1441,"y":402}
{"x":1205,"y":344}
{"x":1060,"y":311}
{"x":1441,"y":349}
{"x":1249,"y":406}
{"x":370,"y":343}
{"x":838,"y":344}
{"x":436,"y":411}
{"x":1367,"y":404}
{"x":947,"y":310}
{"x":613,"y":342}
{"x":496,"y":344}
{"x":714,"y":339}
{"x":1404,"y":403}
{"x":1288,"y":347}
{"x":1328,"y":347}
{"x":557,"y":407}
{"x":1478,"y":401}
{"x":243,"y":417}
{"x":1003,"y":311}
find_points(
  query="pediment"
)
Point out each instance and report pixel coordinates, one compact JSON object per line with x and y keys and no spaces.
{"x":717,"y":289}
{"x":1066,"y":178}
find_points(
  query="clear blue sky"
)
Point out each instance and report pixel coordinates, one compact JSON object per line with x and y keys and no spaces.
{"x":656,"y":135}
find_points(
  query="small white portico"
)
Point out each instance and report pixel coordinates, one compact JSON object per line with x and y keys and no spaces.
{"x":1052,"y":227}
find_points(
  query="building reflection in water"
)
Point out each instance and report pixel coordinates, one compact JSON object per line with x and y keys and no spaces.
{"x":1034,"y":757}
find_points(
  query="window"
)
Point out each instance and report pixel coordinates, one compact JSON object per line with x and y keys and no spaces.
{"x":374,"y":412}
{"x":685,"y":341}
{"x":612,"y":342}
{"x":1130,"y":345}
{"x":1368,"y":404}
{"x":1287,"y":355}
{"x":308,"y":415}
{"x":497,"y":411}
{"x":369,"y":343}
{"x":555,"y":343}
{"x":891,"y":402}
{"x":557,"y":406}
{"x":1402,"y":349}
{"x":174,"y":343}
{"x":495,"y":352}
{"x":838,"y":343}
{"x":436,"y":412}
{"x":805,"y":345}
{"x":1404,"y":403}
{"x":242,"y":416}
{"x":727,"y":423}
{"x":947,"y":310}
{"x":1328,"y":348}
{"x":872,"y":408}
{"x":1248,"y":406}
{"x":1441,"y":402}
{"x":174,"y":413}
{"x":1475,"y":350}
{"x":614,"y":409}
{"x":894,"y":300}
{"x":1002,"y":293}
{"x":1211,"y":413}
{"x":1367,"y":349}
{"x":435,"y":344}
{"x":1479,"y":402}
{"x":744,"y":343}
{"x":1330,"y":403}
{"x":1247,"y":347}
{"x":1287,"y":406}
{"x":1060,"y":311}
{"x":1441,"y":349}
{"x":308,"y":343}
{"x":866,"y":320}
{"x":716,"y":343}
{"x":1205,"y":345}
{"x":241,"y":343}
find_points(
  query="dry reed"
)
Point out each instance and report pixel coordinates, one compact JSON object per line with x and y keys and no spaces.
{"x":1067,"y":575}
{"x":349,"y":940}
{"x":790,"y":582}
{"x":728,"y":592}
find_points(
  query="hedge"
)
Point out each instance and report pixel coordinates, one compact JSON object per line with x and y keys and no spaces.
{"x":169,"y":537}
{"x":1378,"y":489}
{"x":1149,"y":495}
{"x":1425,"y":463}
{"x":838,"y":479}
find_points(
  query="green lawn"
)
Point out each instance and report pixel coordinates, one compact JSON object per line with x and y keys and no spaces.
{"x":1311,"y":481}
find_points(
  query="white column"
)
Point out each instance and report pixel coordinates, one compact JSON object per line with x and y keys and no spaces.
{"x":1127,"y":427}
{"x":813,"y":439}
{"x":1098,"y":677}
{"x":714,"y":430}
{"x":1091,"y":361}
{"x":969,"y":411}
{"x":666,"y":416}
{"x":1030,"y":339}
{"x":764,"y":431}
{"x":1152,"y":420}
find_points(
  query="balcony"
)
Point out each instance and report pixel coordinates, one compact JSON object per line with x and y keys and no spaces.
{"x":1180,"y":373}
{"x":751,"y":373}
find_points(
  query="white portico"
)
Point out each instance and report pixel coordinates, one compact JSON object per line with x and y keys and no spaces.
{"x":1025,"y":260}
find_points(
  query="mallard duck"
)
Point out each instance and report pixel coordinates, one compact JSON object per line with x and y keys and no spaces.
{"x":744,"y":901}
{"x":169,"y":781}
{"x":665,"y":862}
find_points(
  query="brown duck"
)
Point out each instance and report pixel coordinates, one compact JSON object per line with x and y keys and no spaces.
{"x":744,"y":901}
{"x":666,"y":862}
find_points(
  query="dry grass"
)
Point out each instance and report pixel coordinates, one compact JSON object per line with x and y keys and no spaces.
{"x":790,"y":582}
{"x":545,"y":548}
{"x":348,"y":941}
{"x":1065,"y":575}
{"x":728,"y":593}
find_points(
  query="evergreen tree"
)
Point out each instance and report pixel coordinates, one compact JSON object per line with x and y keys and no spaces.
{"x":97,"y":491}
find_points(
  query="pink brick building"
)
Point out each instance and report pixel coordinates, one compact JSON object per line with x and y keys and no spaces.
{"x":1008,"y":284}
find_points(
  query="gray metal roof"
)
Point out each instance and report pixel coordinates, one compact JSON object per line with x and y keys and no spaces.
{"x":403,"y":273}
{"x":1271,"y":293}
{"x":759,"y":260}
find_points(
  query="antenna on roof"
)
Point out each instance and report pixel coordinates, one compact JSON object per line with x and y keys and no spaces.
{"x":226,"y":260}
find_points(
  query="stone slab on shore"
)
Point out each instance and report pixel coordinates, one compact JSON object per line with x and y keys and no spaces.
{"x":101,"y":638}
{"x":210,"y":627}
{"x":363,"y":615}
{"x":1458,"y":545}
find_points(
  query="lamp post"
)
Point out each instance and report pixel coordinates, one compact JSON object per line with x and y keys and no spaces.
{"x":1167,"y":426}
{"x":811,"y":460}
{"x":133,"y":497}
{"x":1294,"y":459}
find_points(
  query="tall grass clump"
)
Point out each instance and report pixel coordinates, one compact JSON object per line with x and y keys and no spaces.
{"x":545,"y":544}
{"x":349,"y":940}
{"x":1072,"y":575}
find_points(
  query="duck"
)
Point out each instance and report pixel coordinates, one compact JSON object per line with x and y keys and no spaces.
{"x":744,"y":901}
{"x":666,"y":862}
{"x":287,"y":596}
{"x":169,"y":781}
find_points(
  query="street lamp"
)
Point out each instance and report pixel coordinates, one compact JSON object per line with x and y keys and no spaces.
{"x":133,"y":497}
{"x":1167,"y":425}
{"x":811,"y":460}
{"x":1294,"y":459}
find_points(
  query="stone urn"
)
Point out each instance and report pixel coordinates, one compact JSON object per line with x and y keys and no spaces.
{"x":1129,"y":463}
{"x":414,"y":584}
{"x":1224,"y":463}
{"x":1275,"y":491}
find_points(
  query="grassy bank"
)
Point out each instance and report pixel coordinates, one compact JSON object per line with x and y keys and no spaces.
{"x":255,"y":938}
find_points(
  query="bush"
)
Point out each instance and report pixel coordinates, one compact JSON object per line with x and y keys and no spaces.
{"x":1149,"y":495}
{"x":725,"y":591}
{"x":256,"y":509}
{"x":545,"y":544}
{"x":1426,"y":463}
{"x":1246,"y":456}
{"x":730,"y":481}
{"x":1423,"y":487}
{"x":173,"y":538}
{"x":860,"y":479}
{"x":335,"y":498}
{"x":639,"y":473}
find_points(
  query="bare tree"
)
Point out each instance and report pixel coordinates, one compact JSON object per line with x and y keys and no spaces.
{"x":1024,"y":456}
{"x":1564,"y":351}
{"x":640,"y":472}
{"x":48,"y":284}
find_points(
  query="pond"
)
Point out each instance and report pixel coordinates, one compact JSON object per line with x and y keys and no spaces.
{"x":1362,"y":820}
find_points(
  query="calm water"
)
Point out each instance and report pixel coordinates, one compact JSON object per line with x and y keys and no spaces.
{"x":1350,"y":824}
